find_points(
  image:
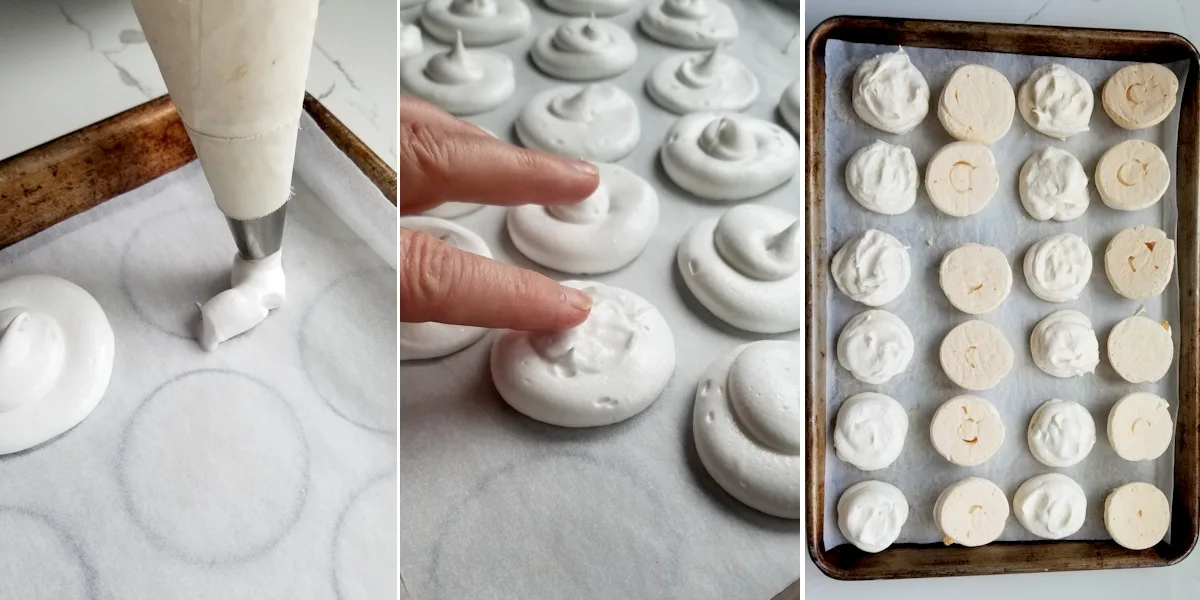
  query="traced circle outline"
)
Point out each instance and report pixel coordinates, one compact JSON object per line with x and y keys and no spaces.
{"x":90,"y":575}
{"x":341,"y":523}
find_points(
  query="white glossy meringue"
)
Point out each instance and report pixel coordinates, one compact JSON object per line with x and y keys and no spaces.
{"x":433,"y":340}
{"x":481,"y":22}
{"x":1064,"y":345}
{"x":581,"y":8}
{"x":1054,"y":186}
{"x":605,"y":370}
{"x":883,"y":178}
{"x":584,"y":49}
{"x":728,"y":156}
{"x":872,"y":268}
{"x":603,"y":233}
{"x":694,"y":24}
{"x":257,"y":287}
{"x":713,"y":81}
{"x":789,"y":105}
{"x":871,"y":515}
{"x":56,"y":357}
{"x":1058,"y":268}
{"x":597,"y":122}
{"x":1061,"y":433}
{"x":890,"y":94}
{"x":747,"y":424}
{"x":1051,"y":506}
{"x":1056,"y":101}
{"x":869,"y":431}
{"x":460,"y":81}
{"x":411,"y":43}
{"x":875,"y":346}
{"x":745,"y":268}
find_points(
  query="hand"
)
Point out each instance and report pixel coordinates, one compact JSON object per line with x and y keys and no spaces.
{"x":442,"y":159}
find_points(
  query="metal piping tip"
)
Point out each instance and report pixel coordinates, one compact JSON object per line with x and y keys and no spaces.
{"x":261,"y":237}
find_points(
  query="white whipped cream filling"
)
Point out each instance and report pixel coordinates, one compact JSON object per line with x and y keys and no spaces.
{"x":1056,"y":101}
{"x":584,"y":49}
{"x":869,"y":431}
{"x":729,"y":156}
{"x":258,"y":287}
{"x":1058,"y":268}
{"x":1050,"y":506}
{"x":433,"y":340}
{"x":1064,"y":345}
{"x":883,"y":178}
{"x":462,"y":82}
{"x":871,"y":515}
{"x":603,"y":233}
{"x":872,"y":268}
{"x":602,"y":371}
{"x":890,"y":94}
{"x":56,"y":357}
{"x":596,"y":122}
{"x":875,"y":346}
{"x":479,"y":22}
{"x":1061,"y":433}
{"x":745,"y":268}
{"x":692,"y":24}
{"x":747,"y":424}
{"x":1053,"y":185}
{"x":713,"y":81}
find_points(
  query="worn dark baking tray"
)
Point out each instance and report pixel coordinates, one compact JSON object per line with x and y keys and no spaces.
{"x":937,"y":560}
{"x":68,"y":175}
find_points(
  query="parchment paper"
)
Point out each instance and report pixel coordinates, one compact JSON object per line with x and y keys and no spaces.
{"x":263,"y":470}
{"x":496,"y":505}
{"x":920,"y":472}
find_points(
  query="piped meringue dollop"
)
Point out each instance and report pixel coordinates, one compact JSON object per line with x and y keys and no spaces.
{"x":258,"y":287}
{"x":745,"y":268}
{"x":871,"y":515}
{"x":597,"y":122}
{"x":1061,"y":433}
{"x":789,"y":105}
{"x":607,"y":369}
{"x":713,"y":81}
{"x":727,"y":156}
{"x":583,"y":8}
{"x":1053,"y":185}
{"x":411,"y":43}
{"x":1058,"y":268}
{"x":460,"y":81}
{"x":870,"y":430}
{"x":890,"y":94}
{"x":1064,"y":345}
{"x":883,"y":178}
{"x":479,"y":22}
{"x":747,"y":424}
{"x":872,"y":268}
{"x":584,"y":49}
{"x":1056,"y":101}
{"x":875,"y":346}
{"x":693,"y":24}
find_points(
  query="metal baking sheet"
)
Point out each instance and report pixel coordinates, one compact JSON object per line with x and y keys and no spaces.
{"x":920,"y":472}
{"x":496,"y":505}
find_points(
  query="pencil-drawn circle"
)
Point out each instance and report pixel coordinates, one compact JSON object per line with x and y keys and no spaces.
{"x":364,"y":543}
{"x":38,"y":559}
{"x":172,"y":262}
{"x":348,"y":347}
{"x":214,"y":467}
{"x":529,"y":497}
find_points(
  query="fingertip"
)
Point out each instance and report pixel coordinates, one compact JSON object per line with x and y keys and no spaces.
{"x":579,"y":306}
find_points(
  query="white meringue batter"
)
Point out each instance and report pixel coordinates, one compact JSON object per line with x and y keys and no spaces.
{"x":745,"y":268}
{"x":1050,"y":506}
{"x":693,"y":24}
{"x":1058,"y":268}
{"x":728,"y":156}
{"x":883,"y":178}
{"x":890,"y":94}
{"x":410,"y":41}
{"x":1064,"y":345}
{"x":747,"y":425}
{"x":871,"y":515}
{"x":605,"y":370}
{"x":583,"y":8}
{"x":258,"y":287}
{"x":713,"y":81}
{"x":872,"y":268}
{"x":460,"y":81}
{"x":584,"y":49}
{"x":869,"y":431}
{"x":875,"y":346}
{"x":597,"y":122}
{"x":1053,"y":185}
{"x":433,"y":340}
{"x":1061,"y":433}
{"x":56,"y":357}
{"x":789,"y":105}
{"x":604,"y":232}
{"x":1056,"y":101}
{"x":480,"y":22}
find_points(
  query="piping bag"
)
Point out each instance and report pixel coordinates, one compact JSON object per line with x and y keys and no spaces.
{"x":236,"y":70}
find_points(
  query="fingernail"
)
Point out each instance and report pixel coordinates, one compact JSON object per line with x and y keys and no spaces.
{"x":579,"y":300}
{"x":585,"y":167}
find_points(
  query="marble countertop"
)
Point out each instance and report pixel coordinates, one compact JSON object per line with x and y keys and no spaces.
{"x":72,"y":63}
{"x":1181,"y":581}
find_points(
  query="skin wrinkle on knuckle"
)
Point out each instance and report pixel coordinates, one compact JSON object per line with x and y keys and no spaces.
{"x":431,"y":270}
{"x":430,"y":154}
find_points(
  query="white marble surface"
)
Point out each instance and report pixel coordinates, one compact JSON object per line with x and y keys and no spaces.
{"x":1179,"y":582}
{"x":67,"y":64}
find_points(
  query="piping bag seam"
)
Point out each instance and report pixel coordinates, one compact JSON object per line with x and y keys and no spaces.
{"x":295,"y":123}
